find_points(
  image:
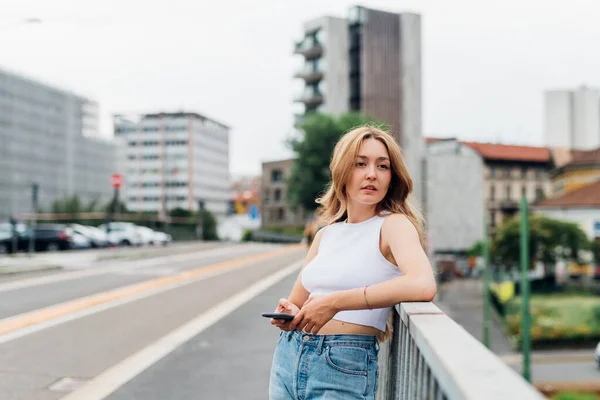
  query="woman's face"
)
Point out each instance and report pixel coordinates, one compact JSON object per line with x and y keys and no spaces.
{"x":371,"y":173}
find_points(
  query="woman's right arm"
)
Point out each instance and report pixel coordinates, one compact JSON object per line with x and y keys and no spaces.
{"x":299,"y":294}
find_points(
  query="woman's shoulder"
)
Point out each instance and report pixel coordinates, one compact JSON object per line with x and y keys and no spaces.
{"x":397,"y":223}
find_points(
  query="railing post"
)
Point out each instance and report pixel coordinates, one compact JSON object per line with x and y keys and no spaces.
{"x":525,"y":324}
{"x":486,"y":285}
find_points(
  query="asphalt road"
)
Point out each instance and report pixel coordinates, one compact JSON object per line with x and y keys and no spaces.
{"x":61,"y":333}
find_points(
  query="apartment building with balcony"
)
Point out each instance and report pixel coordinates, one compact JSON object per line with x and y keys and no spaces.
{"x":175,"y":160}
{"x":369,"y":62}
{"x":276,"y":210}
{"x":324,"y":67}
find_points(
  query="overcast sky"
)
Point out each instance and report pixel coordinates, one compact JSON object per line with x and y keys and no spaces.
{"x":486,"y":63}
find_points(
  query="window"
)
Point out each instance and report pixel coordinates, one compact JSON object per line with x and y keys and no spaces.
{"x":492,"y":192}
{"x":277,"y":195}
{"x":539,"y":194}
{"x":276,"y":176}
{"x":524,"y":191}
{"x":508,"y":192}
{"x":493,"y":219}
{"x":507,"y":173}
{"x":539,"y":174}
{"x":524,"y":172}
{"x":492,"y":172}
{"x":281,"y":214}
{"x":266,"y":197}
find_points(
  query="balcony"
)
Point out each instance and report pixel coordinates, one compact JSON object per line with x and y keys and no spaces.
{"x":309,"y":97}
{"x":509,"y":206}
{"x":309,"y":48}
{"x":311,"y":73}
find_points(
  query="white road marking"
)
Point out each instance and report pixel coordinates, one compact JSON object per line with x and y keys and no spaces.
{"x":116,"y":376}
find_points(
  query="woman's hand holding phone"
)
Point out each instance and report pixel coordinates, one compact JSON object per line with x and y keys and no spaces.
{"x":284,"y":307}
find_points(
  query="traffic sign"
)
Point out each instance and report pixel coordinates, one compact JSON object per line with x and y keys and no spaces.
{"x":116,"y":180}
{"x":253,"y":211}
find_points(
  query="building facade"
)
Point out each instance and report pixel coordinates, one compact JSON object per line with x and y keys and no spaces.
{"x":373,"y":65}
{"x":275,"y":210}
{"x":50,"y":137}
{"x":572,"y":118}
{"x":454,"y":199}
{"x":580,"y":168}
{"x":509,"y":172}
{"x":580,"y":206}
{"x":175,"y":160}
{"x":324,"y":68}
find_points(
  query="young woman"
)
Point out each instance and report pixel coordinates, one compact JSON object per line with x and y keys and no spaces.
{"x":367,"y":259}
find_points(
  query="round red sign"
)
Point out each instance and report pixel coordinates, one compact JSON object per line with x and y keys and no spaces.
{"x":116,"y":180}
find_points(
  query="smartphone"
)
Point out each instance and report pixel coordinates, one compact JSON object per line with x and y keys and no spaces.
{"x":285,"y":317}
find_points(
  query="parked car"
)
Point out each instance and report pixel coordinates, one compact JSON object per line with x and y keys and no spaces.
{"x":122,"y":234}
{"x":52,"y":237}
{"x":48,"y":237}
{"x":96,"y":237}
{"x":146,"y":235}
{"x":162,"y":238}
{"x":6,"y":234}
{"x":597,"y":354}
{"x":81,"y":241}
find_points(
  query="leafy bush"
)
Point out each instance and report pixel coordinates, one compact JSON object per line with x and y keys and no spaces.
{"x":247,"y":235}
{"x":574,"y":396}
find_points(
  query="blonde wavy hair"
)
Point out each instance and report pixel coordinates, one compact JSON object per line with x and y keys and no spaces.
{"x":334,"y":203}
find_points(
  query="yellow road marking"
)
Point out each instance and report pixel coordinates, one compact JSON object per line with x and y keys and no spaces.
{"x":45,"y":314}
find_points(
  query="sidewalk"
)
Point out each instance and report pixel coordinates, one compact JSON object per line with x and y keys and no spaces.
{"x":462,"y":300}
{"x":23,"y":262}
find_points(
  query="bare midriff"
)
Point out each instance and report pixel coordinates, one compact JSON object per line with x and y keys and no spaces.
{"x":335,"y":327}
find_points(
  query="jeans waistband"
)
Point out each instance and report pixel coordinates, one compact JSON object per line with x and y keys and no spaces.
{"x":366,"y":341}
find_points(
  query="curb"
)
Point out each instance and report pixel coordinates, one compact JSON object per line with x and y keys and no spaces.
{"x":17,"y":270}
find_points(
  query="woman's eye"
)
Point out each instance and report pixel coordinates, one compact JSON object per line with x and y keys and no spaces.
{"x":384,"y":166}
{"x":360,"y":164}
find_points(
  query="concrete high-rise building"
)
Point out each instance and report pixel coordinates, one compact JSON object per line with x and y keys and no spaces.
{"x":370,"y":62}
{"x":175,"y":160}
{"x":325,"y":66}
{"x":50,"y":137}
{"x":572,"y":118}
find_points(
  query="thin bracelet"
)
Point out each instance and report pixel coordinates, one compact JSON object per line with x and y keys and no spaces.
{"x":365,"y":293}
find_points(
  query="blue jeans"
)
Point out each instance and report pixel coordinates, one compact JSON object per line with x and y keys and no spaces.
{"x":332,"y":367}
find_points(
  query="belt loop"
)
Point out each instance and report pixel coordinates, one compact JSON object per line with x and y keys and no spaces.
{"x":289,"y":335}
{"x":320,"y":346}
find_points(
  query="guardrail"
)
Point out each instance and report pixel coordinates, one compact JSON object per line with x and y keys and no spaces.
{"x":432,"y":357}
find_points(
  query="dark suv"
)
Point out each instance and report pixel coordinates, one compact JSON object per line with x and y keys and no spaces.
{"x":48,"y":237}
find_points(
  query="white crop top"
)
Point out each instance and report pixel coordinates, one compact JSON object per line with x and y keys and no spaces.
{"x":349,"y":258}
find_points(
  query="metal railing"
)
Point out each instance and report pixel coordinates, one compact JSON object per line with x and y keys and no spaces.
{"x":430,"y":356}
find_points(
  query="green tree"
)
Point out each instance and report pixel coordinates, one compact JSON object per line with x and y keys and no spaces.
{"x":180,"y":213}
{"x":313,"y":149}
{"x":476,"y":250}
{"x":68,"y":205}
{"x":549,"y":240}
{"x":209,"y":226}
{"x":110,"y":207}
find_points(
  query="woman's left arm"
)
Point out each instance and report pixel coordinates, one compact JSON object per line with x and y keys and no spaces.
{"x":417,"y":282}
